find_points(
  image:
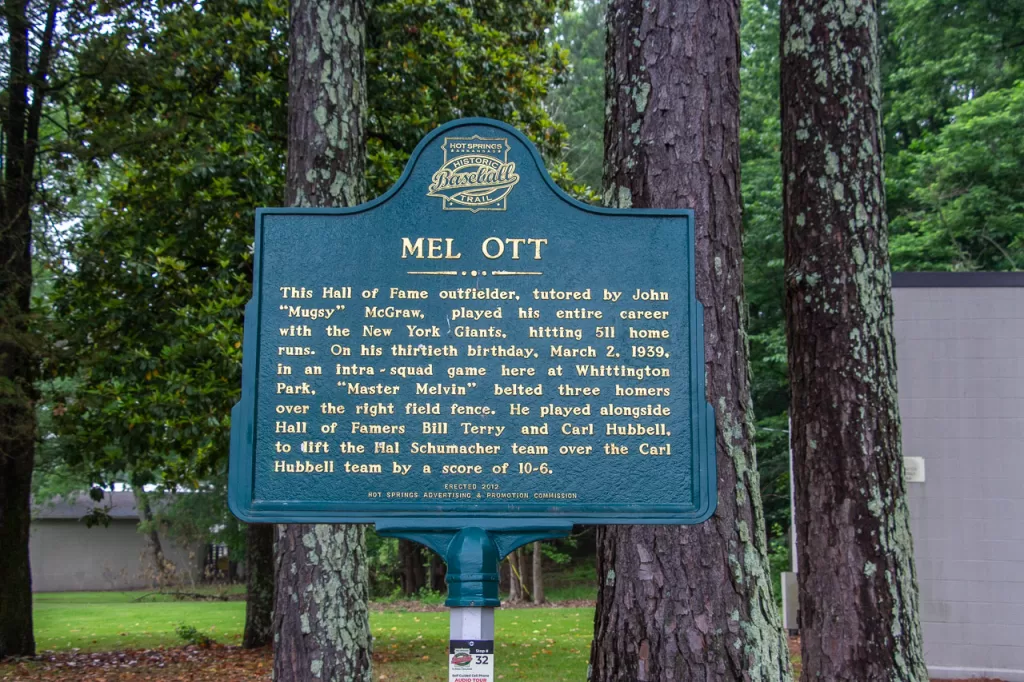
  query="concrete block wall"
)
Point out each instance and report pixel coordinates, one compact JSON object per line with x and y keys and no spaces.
{"x":67,"y":556}
{"x":960,"y":352}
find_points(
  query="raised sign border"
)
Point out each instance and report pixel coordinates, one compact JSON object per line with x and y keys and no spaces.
{"x":242,"y":455}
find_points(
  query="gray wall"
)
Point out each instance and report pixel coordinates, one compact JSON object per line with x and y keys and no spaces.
{"x":961,"y":382}
{"x":67,"y":556}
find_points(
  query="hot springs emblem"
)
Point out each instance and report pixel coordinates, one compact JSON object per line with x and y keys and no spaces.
{"x":476,"y":175}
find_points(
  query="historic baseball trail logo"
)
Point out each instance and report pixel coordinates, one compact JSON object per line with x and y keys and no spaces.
{"x":476,"y":174}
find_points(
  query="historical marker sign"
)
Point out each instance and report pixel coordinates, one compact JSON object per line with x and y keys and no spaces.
{"x":473,"y":345}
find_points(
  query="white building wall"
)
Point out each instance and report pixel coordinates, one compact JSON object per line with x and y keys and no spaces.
{"x":66,"y":556}
{"x":960,"y":352}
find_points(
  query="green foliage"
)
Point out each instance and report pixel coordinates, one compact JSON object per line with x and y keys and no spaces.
{"x":186,"y":128}
{"x":965,"y":190}
{"x":190,"y":635}
{"x":578,"y":99}
{"x":942,"y":53}
{"x":760,"y":144}
{"x":382,"y":564}
{"x":945,"y":63}
{"x":183,"y":127}
{"x":200,"y":517}
{"x":429,"y":62}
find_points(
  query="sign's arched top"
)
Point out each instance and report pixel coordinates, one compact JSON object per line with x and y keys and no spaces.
{"x":474,"y":347}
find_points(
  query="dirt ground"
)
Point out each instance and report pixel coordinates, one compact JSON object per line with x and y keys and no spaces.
{"x":186,"y":664}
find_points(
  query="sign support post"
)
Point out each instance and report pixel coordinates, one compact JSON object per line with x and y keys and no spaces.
{"x":473,"y":556}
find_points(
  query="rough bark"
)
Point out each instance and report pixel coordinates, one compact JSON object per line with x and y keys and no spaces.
{"x":858,"y":589}
{"x":259,"y":595}
{"x":538,"y":574}
{"x":320,"y":616}
{"x":688,"y":603}
{"x":24,"y":90}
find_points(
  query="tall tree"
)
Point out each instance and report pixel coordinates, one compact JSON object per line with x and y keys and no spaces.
{"x":964,"y":190}
{"x":182,"y":129}
{"x":322,"y":603}
{"x":577,"y":100}
{"x":858,"y":590}
{"x":27,"y":63}
{"x":181,"y":132}
{"x":949,"y":64}
{"x":688,"y":603}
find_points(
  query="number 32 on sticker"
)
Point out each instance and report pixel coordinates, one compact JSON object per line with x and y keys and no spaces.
{"x":471,"y":661}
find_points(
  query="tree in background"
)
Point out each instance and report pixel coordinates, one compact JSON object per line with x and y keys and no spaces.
{"x":577,"y":100}
{"x":23,"y":88}
{"x":689,"y":602}
{"x":858,"y":588}
{"x":33,"y":77}
{"x":763,"y":259}
{"x":963,"y":190}
{"x":179,"y":137}
{"x":183,"y":129}
{"x":951,"y":78}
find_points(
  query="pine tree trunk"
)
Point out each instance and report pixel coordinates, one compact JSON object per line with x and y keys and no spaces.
{"x":853,"y":529}
{"x":20,"y":118}
{"x":538,"y":574}
{"x":321,"y":616}
{"x":320,"y":606}
{"x":259,"y":595}
{"x":688,"y":603}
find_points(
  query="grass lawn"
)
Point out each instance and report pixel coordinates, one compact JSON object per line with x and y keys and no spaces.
{"x":550,"y":644}
{"x":102,"y":621}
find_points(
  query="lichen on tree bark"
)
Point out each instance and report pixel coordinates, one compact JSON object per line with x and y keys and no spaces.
{"x":321,"y":619}
{"x":858,"y":591}
{"x":688,"y":603}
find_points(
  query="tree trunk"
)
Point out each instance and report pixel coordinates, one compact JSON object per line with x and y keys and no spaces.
{"x":259,"y":595}
{"x":688,"y":603}
{"x":320,"y":615}
{"x":515,"y":573}
{"x":18,"y":359}
{"x":410,"y":559}
{"x":162,"y":571}
{"x":437,"y":573}
{"x":538,"y":574}
{"x":853,"y":529}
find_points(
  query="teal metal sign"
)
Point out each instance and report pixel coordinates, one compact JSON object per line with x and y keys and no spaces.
{"x":473,"y":349}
